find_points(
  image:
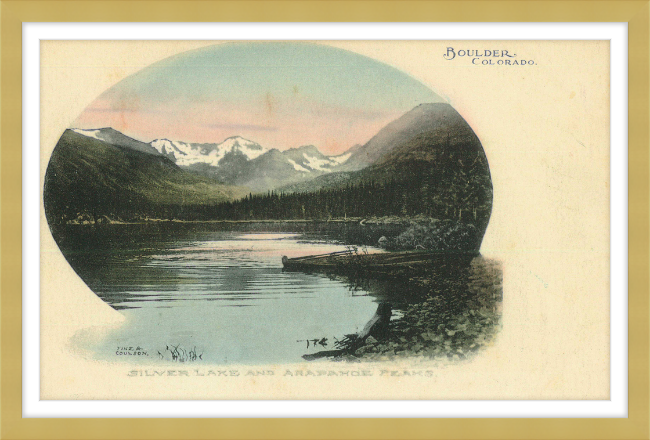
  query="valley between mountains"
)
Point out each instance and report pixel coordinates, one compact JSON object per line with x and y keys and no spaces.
{"x":428,"y":164}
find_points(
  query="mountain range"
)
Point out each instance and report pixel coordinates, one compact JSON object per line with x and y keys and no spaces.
{"x":429,"y":161}
{"x":235,"y":161}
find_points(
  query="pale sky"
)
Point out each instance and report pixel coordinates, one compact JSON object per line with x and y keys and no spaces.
{"x":281,"y":95}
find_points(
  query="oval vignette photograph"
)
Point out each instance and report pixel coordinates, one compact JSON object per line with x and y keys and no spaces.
{"x":276,"y":202}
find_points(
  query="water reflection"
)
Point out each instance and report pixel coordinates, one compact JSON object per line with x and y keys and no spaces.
{"x":220,"y":294}
{"x":206,"y":293}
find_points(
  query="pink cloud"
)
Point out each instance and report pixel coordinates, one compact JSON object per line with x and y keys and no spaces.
{"x":272,"y":122}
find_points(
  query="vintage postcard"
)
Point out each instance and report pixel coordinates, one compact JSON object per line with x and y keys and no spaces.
{"x":325,"y":220}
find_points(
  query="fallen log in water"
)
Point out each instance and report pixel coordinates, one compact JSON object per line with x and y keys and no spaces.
{"x":381,"y":263}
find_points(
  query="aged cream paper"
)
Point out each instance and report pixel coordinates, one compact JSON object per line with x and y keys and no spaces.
{"x":544,"y":127}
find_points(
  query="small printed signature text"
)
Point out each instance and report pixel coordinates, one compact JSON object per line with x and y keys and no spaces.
{"x":131,"y":351}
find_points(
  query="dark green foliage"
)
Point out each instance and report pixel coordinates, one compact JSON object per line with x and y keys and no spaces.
{"x":438,"y":236}
{"x":88,"y":179}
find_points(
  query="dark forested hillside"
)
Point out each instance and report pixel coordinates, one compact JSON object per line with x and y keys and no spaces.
{"x":389,"y":198}
{"x":89,"y":179}
{"x":445,"y":190}
{"x":436,"y":168}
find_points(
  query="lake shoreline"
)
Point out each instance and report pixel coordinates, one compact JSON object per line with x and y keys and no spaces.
{"x":427,"y":330}
{"x":392,"y":220}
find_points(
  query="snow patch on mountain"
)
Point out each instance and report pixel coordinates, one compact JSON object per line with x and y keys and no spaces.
{"x":341,"y":158}
{"x":318,"y":164}
{"x":93,"y":133}
{"x":298,"y":167}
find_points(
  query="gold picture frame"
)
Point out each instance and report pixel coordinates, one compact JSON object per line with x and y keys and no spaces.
{"x":14,"y":13}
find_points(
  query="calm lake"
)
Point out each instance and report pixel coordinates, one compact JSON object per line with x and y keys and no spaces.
{"x":217,"y":293}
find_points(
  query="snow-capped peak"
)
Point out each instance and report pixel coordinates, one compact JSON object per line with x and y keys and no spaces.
{"x":250,"y":149}
{"x":305,"y":160}
{"x":185,"y":154}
